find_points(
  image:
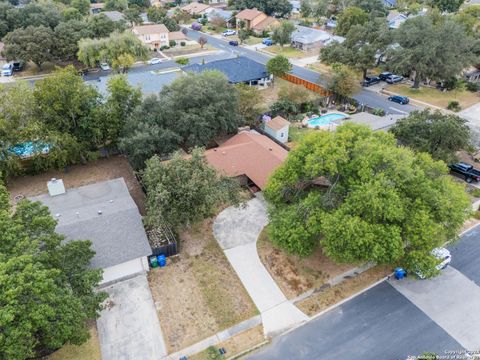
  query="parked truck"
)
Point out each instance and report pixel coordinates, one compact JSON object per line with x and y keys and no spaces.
{"x":467,"y":171}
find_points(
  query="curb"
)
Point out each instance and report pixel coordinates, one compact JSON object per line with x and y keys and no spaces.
{"x":248,"y":351}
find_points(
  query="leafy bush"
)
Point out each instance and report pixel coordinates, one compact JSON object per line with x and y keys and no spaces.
{"x":182,"y":61}
{"x":476,"y":192}
{"x":378,"y":112}
{"x":454,"y":106}
{"x":284,"y":108}
{"x":164,"y":47}
{"x":196,"y":26}
{"x":172,"y":43}
{"x":182,"y":43}
{"x":473,"y":87}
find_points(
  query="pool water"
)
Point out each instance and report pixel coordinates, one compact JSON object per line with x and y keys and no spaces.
{"x":30,"y":148}
{"x":325,"y":119}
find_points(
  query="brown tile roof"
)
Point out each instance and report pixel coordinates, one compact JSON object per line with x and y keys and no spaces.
{"x":250,"y":154}
{"x":263,"y":25}
{"x":248,"y":14}
{"x":195,"y":8}
{"x":277,"y":123}
{"x":150,"y":29}
{"x":176,"y":35}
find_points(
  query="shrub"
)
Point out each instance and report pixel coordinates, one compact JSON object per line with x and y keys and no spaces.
{"x":378,"y":112}
{"x":182,"y":43}
{"x":182,"y":61}
{"x":454,"y":106}
{"x":472,"y":86}
{"x":476,"y":193}
{"x":196,"y":26}
{"x":172,"y":43}
{"x":284,"y":108}
{"x":164,"y":47}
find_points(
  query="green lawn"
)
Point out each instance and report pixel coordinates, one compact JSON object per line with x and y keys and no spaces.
{"x":436,"y":97}
{"x":296,"y":133}
{"x":87,"y":351}
{"x":286,"y":51}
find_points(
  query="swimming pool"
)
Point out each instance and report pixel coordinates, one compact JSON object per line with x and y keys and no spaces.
{"x":325,"y":119}
{"x":29,"y":149}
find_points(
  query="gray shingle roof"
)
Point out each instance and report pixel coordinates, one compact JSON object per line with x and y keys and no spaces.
{"x":237,"y":70}
{"x":306,"y":35}
{"x":117,"y":234}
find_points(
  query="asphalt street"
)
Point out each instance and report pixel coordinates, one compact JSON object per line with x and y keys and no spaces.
{"x":378,"y":324}
{"x":367,"y":97}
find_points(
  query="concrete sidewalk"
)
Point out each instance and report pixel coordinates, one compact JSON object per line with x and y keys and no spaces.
{"x":439,"y":298}
{"x":237,"y":230}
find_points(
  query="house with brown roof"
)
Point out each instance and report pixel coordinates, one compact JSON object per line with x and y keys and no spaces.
{"x":277,"y":128}
{"x":250,"y":156}
{"x":157,"y":35}
{"x":255,"y":20}
{"x":195,"y":8}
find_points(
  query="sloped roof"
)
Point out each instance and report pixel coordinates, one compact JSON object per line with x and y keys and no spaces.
{"x":224,"y":14}
{"x":117,"y":234}
{"x":264,"y":24}
{"x":195,"y":8}
{"x":306,"y":35}
{"x":113,"y":15}
{"x":250,"y":154}
{"x":248,"y":14}
{"x":237,"y":70}
{"x":277,"y":123}
{"x":150,"y":29}
{"x":176,"y":35}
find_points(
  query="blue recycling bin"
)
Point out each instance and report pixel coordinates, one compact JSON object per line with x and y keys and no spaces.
{"x":162,"y":260}
{"x":400,"y":273}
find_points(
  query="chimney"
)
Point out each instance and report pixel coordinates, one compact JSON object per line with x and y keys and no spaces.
{"x":55,"y":187}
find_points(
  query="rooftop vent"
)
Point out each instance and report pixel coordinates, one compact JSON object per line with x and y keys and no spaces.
{"x":55,"y":187}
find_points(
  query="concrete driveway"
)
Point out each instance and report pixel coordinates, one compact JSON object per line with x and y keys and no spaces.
{"x":129,"y":328}
{"x":237,"y":230}
{"x":472,"y":114}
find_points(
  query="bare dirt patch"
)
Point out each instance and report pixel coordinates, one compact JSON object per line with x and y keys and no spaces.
{"x":296,"y":275}
{"x":324,"y":299}
{"x":198,"y":294}
{"x":79,"y":175}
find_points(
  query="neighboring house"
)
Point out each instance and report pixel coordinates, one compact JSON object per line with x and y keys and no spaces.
{"x":249,"y":156}
{"x":295,"y":6}
{"x":305,"y":38}
{"x":472,"y":74}
{"x":156,"y":35}
{"x":195,"y":8}
{"x":395,"y":19}
{"x":238,"y":70}
{"x":95,"y":8}
{"x":213,"y":13}
{"x":114,"y":15}
{"x":105,"y":214}
{"x":390,"y":3}
{"x":331,"y":24}
{"x":277,"y":128}
{"x":256,"y":21}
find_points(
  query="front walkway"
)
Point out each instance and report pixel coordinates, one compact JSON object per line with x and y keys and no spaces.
{"x":237,"y":230}
{"x":128,"y":327}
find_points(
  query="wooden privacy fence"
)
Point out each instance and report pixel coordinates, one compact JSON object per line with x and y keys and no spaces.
{"x":308,"y":84}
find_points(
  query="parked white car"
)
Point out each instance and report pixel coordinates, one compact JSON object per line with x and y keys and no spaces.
{"x":7,"y":69}
{"x":443,"y":255}
{"x":229,"y":32}
{"x":104,"y":66}
{"x":154,"y":61}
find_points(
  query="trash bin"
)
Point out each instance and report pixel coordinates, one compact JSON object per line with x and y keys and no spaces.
{"x":162,"y":260}
{"x":400,"y":273}
{"x":153,"y":261}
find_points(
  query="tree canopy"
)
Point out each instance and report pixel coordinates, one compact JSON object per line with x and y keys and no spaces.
{"x":441,"y":135}
{"x":47,"y":289}
{"x":269,"y":7}
{"x":279,"y":66}
{"x":185,"y":190}
{"x":362,"y":198}
{"x":448,"y":5}
{"x":190,"y":112}
{"x":282,"y":33}
{"x":343,"y":82}
{"x":349,"y":17}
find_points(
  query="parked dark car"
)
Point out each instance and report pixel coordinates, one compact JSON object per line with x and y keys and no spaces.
{"x":17,"y":65}
{"x":393,"y":79}
{"x":233,"y":43}
{"x":467,"y":171}
{"x":370,"y":80}
{"x":383,"y":76}
{"x":403,"y":100}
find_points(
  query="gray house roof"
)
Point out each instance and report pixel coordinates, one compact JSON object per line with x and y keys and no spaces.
{"x":306,"y":35}
{"x":224,"y":14}
{"x":113,"y":15}
{"x":237,"y":70}
{"x":117,"y":234}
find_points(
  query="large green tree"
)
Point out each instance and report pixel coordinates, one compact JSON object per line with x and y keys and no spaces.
{"x":270,"y":7}
{"x":185,"y":190}
{"x":47,"y":290}
{"x":430,"y":48}
{"x":343,"y":82}
{"x":441,"y":135}
{"x":362,"y":198}
{"x":34,"y":44}
{"x":100,"y":25}
{"x":361,"y":47}
{"x":282,"y":33}
{"x":279,"y":66}
{"x":251,"y":103}
{"x":190,"y":112}
{"x":67,"y":36}
{"x":448,"y":5}
{"x":348,"y":18}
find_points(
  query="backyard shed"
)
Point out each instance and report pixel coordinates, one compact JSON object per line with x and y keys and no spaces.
{"x":277,"y":128}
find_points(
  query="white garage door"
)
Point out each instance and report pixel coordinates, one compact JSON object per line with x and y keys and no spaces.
{"x":135,"y":266}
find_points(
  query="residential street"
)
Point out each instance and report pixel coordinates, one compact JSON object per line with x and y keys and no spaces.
{"x":363,"y":96}
{"x":393,"y":322}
